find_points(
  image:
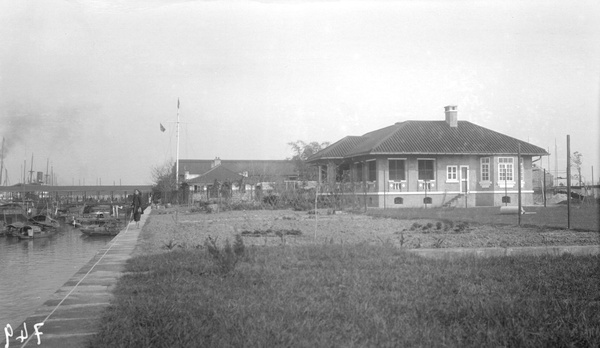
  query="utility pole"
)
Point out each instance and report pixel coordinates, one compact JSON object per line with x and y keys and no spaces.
{"x":555,"y":163}
{"x":177,"y":153}
{"x":544,"y":188}
{"x":519,"y":181}
{"x":568,"y":182}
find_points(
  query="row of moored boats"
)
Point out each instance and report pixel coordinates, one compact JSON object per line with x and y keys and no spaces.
{"x":92,"y":219}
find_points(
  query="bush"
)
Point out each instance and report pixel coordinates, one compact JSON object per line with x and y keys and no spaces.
{"x":227,"y":257}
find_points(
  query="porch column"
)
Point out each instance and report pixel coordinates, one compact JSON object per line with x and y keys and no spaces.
{"x":331,"y":173}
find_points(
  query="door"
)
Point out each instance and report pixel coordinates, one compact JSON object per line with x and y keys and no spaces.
{"x":464,"y":179}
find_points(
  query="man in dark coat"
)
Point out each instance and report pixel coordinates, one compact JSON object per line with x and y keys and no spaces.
{"x":136,"y":205}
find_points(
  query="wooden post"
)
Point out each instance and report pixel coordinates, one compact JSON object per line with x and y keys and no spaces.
{"x":385,"y":184}
{"x":568,"y":181}
{"x":519,"y":181}
{"x":544,"y":188}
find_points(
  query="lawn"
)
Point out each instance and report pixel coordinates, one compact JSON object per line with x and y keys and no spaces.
{"x":343,"y":281}
{"x":583,"y":217}
{"x":351,"y":296}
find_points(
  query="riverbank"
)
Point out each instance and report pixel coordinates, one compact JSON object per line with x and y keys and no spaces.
{"x":32,"y":269}
{"x":286,"y":278}
{"x":70,"y":316}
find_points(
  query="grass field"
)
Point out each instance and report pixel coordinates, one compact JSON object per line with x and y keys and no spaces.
{"x":352,"y":296}
{"x":583,"y":217}
{"x":366,"y":293}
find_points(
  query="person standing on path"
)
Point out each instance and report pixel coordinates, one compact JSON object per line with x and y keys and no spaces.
{"x":136,"y":205}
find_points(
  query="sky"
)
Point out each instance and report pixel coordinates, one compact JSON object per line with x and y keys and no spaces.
{"x":85,"y":85}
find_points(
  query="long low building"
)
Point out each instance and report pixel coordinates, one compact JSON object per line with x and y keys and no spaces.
{"x":72,"y":193}
{"x":91,"y":189}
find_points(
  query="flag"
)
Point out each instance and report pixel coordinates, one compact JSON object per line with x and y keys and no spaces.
{"x":178,"y":103}
{"x":162,"y":128}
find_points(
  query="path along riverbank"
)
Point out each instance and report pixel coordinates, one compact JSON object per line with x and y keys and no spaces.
{"x":71,"y":315}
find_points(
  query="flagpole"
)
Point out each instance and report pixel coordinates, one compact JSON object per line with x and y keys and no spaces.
{"x":177,"y":154}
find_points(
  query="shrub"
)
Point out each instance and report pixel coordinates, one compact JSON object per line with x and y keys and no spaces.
{"x":461,"y":227}
{"x":227,"y":257}
{"x":415,"y":226}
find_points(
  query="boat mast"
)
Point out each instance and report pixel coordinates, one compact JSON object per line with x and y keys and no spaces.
{"x":31,"y":170}
{"x":47,"y":165}
{"x":177,"y":154}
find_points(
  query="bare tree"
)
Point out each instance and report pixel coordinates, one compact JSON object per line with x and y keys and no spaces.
{"x":164,"y":181}
{"x":576,"y":162}
{"x":302,"y":151}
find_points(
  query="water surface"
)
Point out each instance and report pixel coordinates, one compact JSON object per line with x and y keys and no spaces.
{"x":32,"y":270}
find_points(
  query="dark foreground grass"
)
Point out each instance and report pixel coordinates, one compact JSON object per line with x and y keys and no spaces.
{"x":353,"y":296}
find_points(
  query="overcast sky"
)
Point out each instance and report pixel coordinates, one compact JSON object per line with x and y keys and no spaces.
{"x":86,"y":84}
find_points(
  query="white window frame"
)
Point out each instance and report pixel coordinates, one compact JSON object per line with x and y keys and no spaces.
{"x":485,"y":168}
{"x":427,"y":184}
{"x":452,"y":173}
{"x":506,"y":166}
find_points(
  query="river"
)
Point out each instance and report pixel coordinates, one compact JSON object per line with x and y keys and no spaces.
{"x":32,"y":270}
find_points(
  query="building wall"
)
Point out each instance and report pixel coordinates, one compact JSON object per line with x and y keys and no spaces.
{"x":441,"y":190}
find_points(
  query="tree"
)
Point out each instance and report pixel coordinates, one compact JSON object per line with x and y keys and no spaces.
{"x":302,"y":151}
{"x":576,"y":162}
{"x":164,"y":181}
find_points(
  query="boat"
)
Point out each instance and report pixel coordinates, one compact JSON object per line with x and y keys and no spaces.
{"x":12,"y":213}
{"x":107,"y":228}
{"x":27,"y":231}
{"x":45,"y":221}
{"x":100,"y":219}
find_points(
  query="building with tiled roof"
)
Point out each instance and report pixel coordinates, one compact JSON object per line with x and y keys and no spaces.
{"x":440,"y":163}
{"x":254,"y":171}
{"x":243,"y":176}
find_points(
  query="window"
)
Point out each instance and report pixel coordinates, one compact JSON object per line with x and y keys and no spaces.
{"x":451,"y":173}
{"x":359,"y":171}
{"x":397,"y":170}
{"x":426,"y":169}
{"x":485,"y":169}
{"x":398,"y":200}
{"x":505,"y":169}
{"x":372,"y":170}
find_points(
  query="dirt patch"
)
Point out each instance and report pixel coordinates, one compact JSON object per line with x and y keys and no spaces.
{"x":170,"y":229}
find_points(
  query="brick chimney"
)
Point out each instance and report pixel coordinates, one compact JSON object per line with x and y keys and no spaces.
{"x":216,"y":162}
{"x":451,"y":117}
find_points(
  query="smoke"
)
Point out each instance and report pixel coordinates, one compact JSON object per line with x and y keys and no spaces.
{"x":17,"y":123}
{"x":32,"y":127}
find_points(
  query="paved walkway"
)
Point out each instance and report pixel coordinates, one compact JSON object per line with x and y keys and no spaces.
{"x":444,"y":253}
{"x":70,"y":317}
